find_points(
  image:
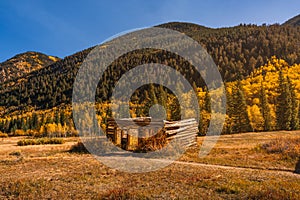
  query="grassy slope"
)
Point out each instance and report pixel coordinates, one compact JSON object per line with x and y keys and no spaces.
{"x":50,"y":172}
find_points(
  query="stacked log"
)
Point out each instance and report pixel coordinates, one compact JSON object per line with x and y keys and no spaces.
{"x":128,"y":133}
{"x":184,"y":131}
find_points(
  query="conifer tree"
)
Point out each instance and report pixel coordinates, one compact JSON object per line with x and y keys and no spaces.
{"x":207,"y":101}
{"x":265,"y":109}
{"x":34,"y":121}
{"x":62,"y":117}
{"x":295,"y":106}
{"x":23,"y":125}
{"x":200,"y":125}
{"x":241,"y":122}
{"x":283,"y":105}
{"x":56,"y":117}
{"x":280,"y":103}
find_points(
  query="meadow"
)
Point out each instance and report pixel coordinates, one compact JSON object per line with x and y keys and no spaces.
{"x":241,"y":166}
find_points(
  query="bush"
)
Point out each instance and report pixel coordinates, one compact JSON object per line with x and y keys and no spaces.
{"x":287,"y":147}
{"x":100,"y":146}
{"x":15,"y":153}
{"x":72,"y":133}
{"x":19,"y":132}
{"x":3,"y":135}
{"x":297,"y":167}
{"x":153,"y":143}
{"x":78,"y":148}
{"x":40,"y":141}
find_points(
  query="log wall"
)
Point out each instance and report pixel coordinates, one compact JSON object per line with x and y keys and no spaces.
{"x":125,"y":133}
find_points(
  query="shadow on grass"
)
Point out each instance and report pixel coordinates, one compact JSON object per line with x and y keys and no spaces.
{"x":79,"y":148}
{"x":297,"y":168}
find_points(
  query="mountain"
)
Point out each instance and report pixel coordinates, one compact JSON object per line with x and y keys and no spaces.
{"x":23,"y":64}
{"x":237,"y":51}
{"x":295,"y":21}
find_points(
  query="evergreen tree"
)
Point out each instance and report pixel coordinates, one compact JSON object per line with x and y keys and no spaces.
{"x":241,"y":122}
{"x":163,"y":96}
{"x":175,"y":108}
{"x":288,"y":114}
{"x":280,"y":103}
{"x":207,"y":101}
{"x":48,"y":119}
{"x":283,"y":105}
{"x":56,"y":117}
{"x":23,"y":125}
{"x":295,"y":106}
{"x":265,"y":109}
{"x":200,"y":125}
{"x":152,"y":93}
{"x":34,"y":122}
{"x":62,"y":117}
{"x":42,"y":120}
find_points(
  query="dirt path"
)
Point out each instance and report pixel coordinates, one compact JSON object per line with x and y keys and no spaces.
{"x":279,"y":171}
{"x":128,"y":159}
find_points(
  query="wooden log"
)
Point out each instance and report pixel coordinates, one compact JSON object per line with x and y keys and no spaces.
{"x":182,"y":121}
{"x":170,"y":130}
{"x":185,"y":135}
{"x":186,"y":142}
{"x":183,"y":140}
{"x":181,"y":136}
{"x":191,"y":128}
{"x":186,"y":131}
{"x":190,"y":144}
{"x":137,"y":125}
{"x":180,"y":124}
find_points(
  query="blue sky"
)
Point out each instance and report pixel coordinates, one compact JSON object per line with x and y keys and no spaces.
{"x":64,"y":27}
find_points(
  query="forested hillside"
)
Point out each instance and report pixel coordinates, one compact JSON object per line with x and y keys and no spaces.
{"x":295,"y":21}
{"x":239,"y":50}
{"x":250,"y":59}
{"x":23,"y":64}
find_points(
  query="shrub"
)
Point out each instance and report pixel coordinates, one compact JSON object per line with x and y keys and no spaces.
{"x":40,"y":141}
{"x":78,"y":148}
{"x":72,"y":133}
{"x":15,"y":153}
{"x":100,"y":146}
{"x":3,"y":135}
{"x":297,"y":167}
{"x":19,"y":132}
{"x":153,"y":143}
{"x":287,"y":147}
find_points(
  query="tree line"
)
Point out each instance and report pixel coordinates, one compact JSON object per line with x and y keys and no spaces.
{"x":266,"y":100}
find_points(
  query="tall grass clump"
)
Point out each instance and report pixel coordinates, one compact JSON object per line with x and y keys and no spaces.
{"x":287,"y":147}
{"x":40,"y":141}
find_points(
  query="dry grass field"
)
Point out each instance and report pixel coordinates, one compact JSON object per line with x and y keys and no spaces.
{"x":241,"y":166}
